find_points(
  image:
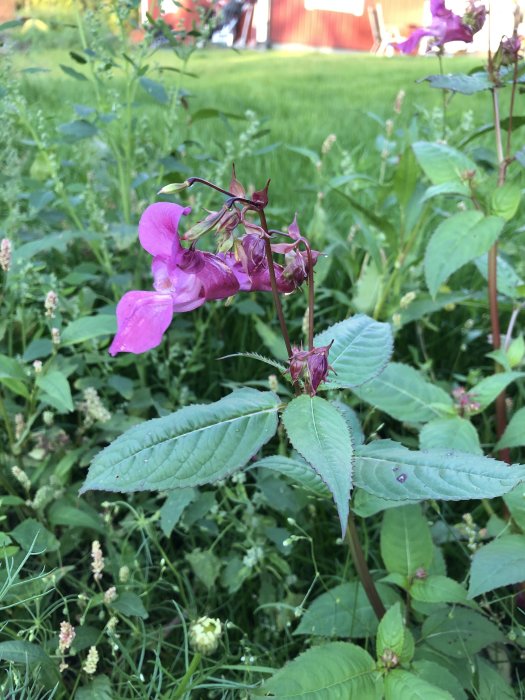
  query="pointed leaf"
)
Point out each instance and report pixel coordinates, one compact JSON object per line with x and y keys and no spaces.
{"x":389,"y":470}
{"x":195,"y":445}
{"x":320,"y":434}
{"x":438,"y":675}
{"x":361,"y":350}
{"x":402,"y":392}
{"x":508,"y":280}
{"x":88,"y":328}
{"x":438,"y":589}
{"x":514,"y":435}
{"x":469,"y":234}
{"x":459,"y":82}
{"x":498,"y":563}
{"x":515,"y":502}
{"x":56,"y":390}
{"x":486,"y":391}
{"x":491,"y":683}
{"x":459,"y":632}
{"x":337,"y":669}
{"x":406,"y":544}
{"x":442,"y":163}
{"x":391,"y":632}
{"x":402,"y":685}
{"x":454,"y":432}
{"x":297,"y":470}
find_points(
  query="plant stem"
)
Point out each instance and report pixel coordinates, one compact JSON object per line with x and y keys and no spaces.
{"x":362,"y":569}
{"x":511,"y":108}
{"x":311,"y":297}
{"x":187,"y":676}
{"x":444,"y":93}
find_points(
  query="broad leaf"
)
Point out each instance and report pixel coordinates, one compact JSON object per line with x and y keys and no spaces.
{"x":55,"y":391}
{"x":508,"y":280}
{"x":454,"y":432}
{"x":459,"y":82}
{"x":438,"y":589}
{"x":24,"y":653}
{"x":13,"y":376}
{"x":130,"y":604}
{"x":515,"y":502}
{"x":402,"y":685}
{"x":320,"y":434}
{"x":337,"y":669}
{"x":491,"y":684}
{"x":391,"y":632}
{"x":402,"y":392}
{"x":514,"y":435}
{"x":459,"y":632}
{"x":344,"y":611}
{"x":389,"y":470}
{"x":361,"y":350}
{"x":97,"y":689}
{"x":195,"y":445}
{"x":442,"y":163}
{"x":505,"y":200}
{"x":365,"y":504}
{"x":78,"y":129}
{"x":469,"y":234}
{"x":88,"y":328}
{"x":486,"y":391}
{"x":352,"y":419}
{"x":406,"y":544}
{"x":438,"y":675}
{"x":154,"y":89}
{"x":295,"y":469}
{"x":173,"y":507}
{"x":498,"y":563}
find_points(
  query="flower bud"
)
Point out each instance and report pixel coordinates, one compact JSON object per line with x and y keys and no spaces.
{"x":205,"y":634}
{"x":51,"y":304}
{"x":174,"y":187}
{"x":5,"y":254}
{"x":311,"y":367}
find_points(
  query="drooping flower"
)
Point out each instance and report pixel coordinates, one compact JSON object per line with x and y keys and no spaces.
{"x":447,"y":26}
{"x":184,"y":278}
{"x":310,"y":366}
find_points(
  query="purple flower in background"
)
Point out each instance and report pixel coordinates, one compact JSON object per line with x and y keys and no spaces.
{"x":447,"y":26}
{"x":183,"y":278}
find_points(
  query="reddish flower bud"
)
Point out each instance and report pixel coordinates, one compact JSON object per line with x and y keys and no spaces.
{"x":235,"y":186}
{"x":310,"y":366}
{"x":260,"y":197}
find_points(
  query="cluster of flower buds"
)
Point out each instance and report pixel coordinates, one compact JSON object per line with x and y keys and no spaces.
{"x":186,"y":277}
{"x":310,"y":367}
{"x":465,"y":401}
{"x":5,"y":254}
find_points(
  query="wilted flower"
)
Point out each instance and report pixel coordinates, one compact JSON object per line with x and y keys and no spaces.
{"x":310,"y":366}
{"x":447,"y":26}
{"x":465,"y":401}
{"x":205,"y":634}
{"x":509,"y":50}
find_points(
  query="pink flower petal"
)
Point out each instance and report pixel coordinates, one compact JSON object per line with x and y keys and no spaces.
{"x":142,"y":318}
{"x":158,"y":228}
{"x":186,"y":289}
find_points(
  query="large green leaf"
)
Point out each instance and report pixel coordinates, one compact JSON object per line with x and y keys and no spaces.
{"x":486,"y":391}
{"x":24,"y":653}
{"x":438,"y":589}
{"x":515,"y":502}
{"x":438,"y":675}
{"x":406,"y":543}
{"x":442,"y":163}
{"x":320,"y":434}
{"x":13,"y":376}
{"x":402,"y":392}
{"x":344,"y":611}
{"x":334,"y":670}
{"x":88,"y":328}
{"x":361,"y":350}
{"x":460,"y":82}
{"x":508,"y":280}
{"x":498,"y":563}
{"x":402,"y":685}
{"x":195,"y":445}
{"x":459,"y":632}
{"x":469,"y":234}
{"x":295,"y":469}
{"x":514,"y":435}
{"x":454,"y":432}
{"x":391,"y":632}
{"x":389,"y":470}
{"x":491,"y":684}
{"x":55,"y":390}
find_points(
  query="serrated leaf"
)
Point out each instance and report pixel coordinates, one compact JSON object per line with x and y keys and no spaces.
{"x":490,"y":683}
{"x":498,"y":563}
{"x":438,"y":675}
{"x":442,"y":163}
{"x":486,"y":391}
{"x":353,"y":422}
{"x":402,"y":685}
{"x":391,"y":632}
{"x":469,"y":234}
{"x":514,"y":435}
{"x":365,"y":504}
{"x":403,"y":393}
{"x":257,"y":356}
{"x":460,"y":82}
{"x":389,"y":470}
{"x":361,"y":350}
{"x":438,"y":589}
{"x":508,"y":280}
{"x":454,"y":432}
{"x":195,"y":445}
{"x":344,"y":611}
{"x":296,"y":470}
{"x":337,"y":669}
{"x":515,"y":502}
{"x":88,"y":328}
{"x":320,"y":434}
{"x":56,"y":390}
{"x":459,"y":632}
{"x":406,"y":543}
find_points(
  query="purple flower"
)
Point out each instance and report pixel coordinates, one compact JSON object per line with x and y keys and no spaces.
{"x":310,"y":366}
{"x":447,"y":26}
{"x":183,"y":278}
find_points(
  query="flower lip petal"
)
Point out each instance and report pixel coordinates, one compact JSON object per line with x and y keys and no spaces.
{"x":158,"y":228}
{"x":142,"y":319}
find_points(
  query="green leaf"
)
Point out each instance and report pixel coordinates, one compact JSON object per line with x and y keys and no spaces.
{"x":173,"y":507}
{"x":508,"y":280}
{"x":352,"y":420}
{"x":469,"y":234}
{"x":514,"y":435}
{"x":195,"y":445}
{"x":442,"y":163}
{"x":55,"y":390}
{"x":459,"y":632}
{"x":130,"y":604}
{"x":515,"y":502}
{"x":88,"y":328}
{"x":505,"y":200}
{"x":486,"y":391}
{"x":498,"y":563}
{"x":33,"y":536}
{"x":406,"y":176}
{"x":402,"y":392}
{"x":155,"y":90}
{"x":365,"y":504}
{"x":438,"y":589}
{"x":390,"y":470}
{"x":13,"y":376}
{"x":24,"y":653}
{"x":454,"y":432}
{"x":402,"y":685}
{"x":460,"y":82}
{"x":98,"y":689}
{"x":361,"y":350}
{"x":490,"y":683}
{"x":320,"y":434}
{"x":312,"y":156}
{"x":406,"y":544}
{"x":72,"y":72}
{"x":391,"y":632}
{"x":78,"y":129}
{"x":438,"y":675}
{"x":336,"y":669}
{"x":62,"y":513}
{"x":295,"y":469}
{"x":344,"y":611}
{"x":205,"y":565}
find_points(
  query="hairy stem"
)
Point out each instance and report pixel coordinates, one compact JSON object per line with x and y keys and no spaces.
{"x":311,"y":296}
{"x":362,"y":568}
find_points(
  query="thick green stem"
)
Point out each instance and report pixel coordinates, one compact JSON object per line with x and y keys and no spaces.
{"x":362,"y":569}
{"x":181,"y":688}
